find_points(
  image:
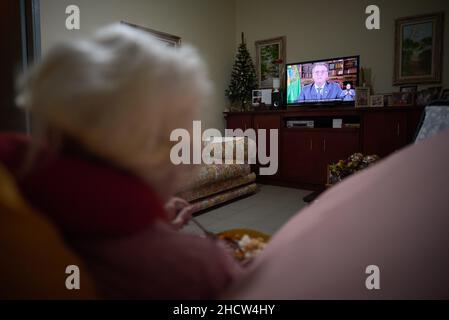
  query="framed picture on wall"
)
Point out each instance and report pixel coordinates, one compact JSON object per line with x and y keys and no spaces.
{"x":169,"y":39}
{"x":270,"y":58}
{"x":418,"y":49}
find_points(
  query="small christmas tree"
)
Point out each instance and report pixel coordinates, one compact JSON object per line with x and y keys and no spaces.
{"x":243,"y":77}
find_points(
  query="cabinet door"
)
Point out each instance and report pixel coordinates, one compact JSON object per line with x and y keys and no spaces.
{"x":413,"y":121}
{"x":299,"y":156}
{"x":243,"y":121}
{"x":337,"y":145}
{"x":267,"y":122}
{"x":384,"y":132}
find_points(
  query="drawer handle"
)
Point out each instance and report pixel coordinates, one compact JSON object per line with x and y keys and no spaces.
{"x":324,"y":145}
{"x":311,"y":144}
{"x":399,"y":130}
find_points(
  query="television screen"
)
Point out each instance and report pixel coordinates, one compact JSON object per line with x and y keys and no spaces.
{"x":331,"y":80}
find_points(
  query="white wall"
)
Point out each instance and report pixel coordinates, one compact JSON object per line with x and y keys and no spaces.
{"x":325,"y":29}
{"x":206,"y":24}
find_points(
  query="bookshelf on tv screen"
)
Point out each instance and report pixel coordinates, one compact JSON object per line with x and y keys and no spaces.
{"x":322,"y":81}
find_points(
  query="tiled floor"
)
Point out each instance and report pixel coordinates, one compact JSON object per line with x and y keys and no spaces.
{"x":264,"y":211}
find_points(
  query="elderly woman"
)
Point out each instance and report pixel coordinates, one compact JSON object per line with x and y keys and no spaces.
{"x":100,"y":168}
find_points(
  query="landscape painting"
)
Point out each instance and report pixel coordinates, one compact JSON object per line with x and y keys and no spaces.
{"x":270,"y":58}
{"x":418,"y":49}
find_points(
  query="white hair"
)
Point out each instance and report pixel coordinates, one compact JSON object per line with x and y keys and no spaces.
{"x":119,"y":95}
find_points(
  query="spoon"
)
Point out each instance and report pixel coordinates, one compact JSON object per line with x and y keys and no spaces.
{"x":206,"y":232}
{"x":213,"y":235}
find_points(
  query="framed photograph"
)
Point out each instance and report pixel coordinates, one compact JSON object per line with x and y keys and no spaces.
{"x":402,"y":99}
{"x":376,"y":100}
{"x":388,"y":99}
{"x":445,"y":94}
{"x":362,"y":97}
{"x":424,"y":97}
{"x":435,"y":91}
{"x":408,"y":89}
{"x":261,"y":98}
{"x":169,"y":39}
{"x":257,"y":98}
{"x":270,"y":58}
{"x":418,"y":49}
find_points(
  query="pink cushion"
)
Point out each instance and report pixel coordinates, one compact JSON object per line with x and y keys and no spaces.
{"x":394,"y":215}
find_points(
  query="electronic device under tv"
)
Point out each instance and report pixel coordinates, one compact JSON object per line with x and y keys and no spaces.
{"x":322,"y":82}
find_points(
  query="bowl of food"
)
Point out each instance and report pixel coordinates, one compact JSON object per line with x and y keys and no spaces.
{"x":244,"y":243}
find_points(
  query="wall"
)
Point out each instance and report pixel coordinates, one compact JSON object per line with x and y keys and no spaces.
{"x":324,"y":29}
{"x":206,"y":24}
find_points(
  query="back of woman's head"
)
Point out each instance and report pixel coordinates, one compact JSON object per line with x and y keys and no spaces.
{"x":118,"y":95}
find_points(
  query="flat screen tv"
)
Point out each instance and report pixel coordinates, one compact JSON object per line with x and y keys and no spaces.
{"x":322,"y":81}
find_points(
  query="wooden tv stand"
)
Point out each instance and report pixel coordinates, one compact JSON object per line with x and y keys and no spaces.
{"x":304,"y":153}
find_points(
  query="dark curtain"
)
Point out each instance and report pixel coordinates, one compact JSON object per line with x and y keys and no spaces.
{"x":20,"y":45}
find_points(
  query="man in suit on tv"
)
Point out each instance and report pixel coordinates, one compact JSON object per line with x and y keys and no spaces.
{"x":320,"y":88}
